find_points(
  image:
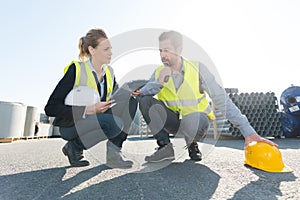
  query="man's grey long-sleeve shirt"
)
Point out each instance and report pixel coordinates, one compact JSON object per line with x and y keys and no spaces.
{"x":215,"y":92}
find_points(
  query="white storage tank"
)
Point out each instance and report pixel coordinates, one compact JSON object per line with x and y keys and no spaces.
{"x":44,"y":130}
{"x":12,"y":119}
{"x":32,"y":118}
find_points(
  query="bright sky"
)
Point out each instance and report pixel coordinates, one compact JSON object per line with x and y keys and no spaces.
{"x":255,"y":44}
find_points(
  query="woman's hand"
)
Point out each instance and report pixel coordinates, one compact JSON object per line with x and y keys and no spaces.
{"x":99,"y":107}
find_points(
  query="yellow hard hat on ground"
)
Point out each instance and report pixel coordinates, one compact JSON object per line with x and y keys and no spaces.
{"x":263,"y":156}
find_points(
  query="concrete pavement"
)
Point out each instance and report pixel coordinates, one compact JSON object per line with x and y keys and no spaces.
{"x":37,"y":169}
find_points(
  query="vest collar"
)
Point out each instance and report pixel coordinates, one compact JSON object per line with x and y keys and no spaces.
{"x":92,"y":68}
{"x":182,"y":65}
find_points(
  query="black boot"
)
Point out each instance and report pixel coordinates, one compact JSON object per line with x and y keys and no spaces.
{"x":74,"y":155}
{"x":79,"y":154}
{"x":194,"y":152}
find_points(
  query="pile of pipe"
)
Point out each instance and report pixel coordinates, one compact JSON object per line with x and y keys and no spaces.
{"x":261,"y":109}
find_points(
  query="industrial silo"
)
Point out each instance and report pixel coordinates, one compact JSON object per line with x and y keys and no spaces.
{"x":12,"y":119}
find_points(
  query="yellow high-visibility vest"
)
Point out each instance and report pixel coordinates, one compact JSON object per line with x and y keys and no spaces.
{"x":85,"y":77}
{"x":187,"y":99}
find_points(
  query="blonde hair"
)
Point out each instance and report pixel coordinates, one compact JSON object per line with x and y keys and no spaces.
{"x":90,"y":39}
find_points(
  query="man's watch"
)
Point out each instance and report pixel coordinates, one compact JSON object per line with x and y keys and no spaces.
{"x":166,"y":79}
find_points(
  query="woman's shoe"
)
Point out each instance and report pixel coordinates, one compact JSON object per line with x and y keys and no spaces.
{"x":74,"y":156}
{"x":114,"y":157}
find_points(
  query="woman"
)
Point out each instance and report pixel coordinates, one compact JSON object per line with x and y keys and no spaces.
{"x":83,"y":126}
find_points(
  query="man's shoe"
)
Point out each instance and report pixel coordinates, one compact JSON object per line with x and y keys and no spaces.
{"x":74,"y":156}
{"x":114,"y":157}
{"x":194,"y":152}
{"x":163,"y":153}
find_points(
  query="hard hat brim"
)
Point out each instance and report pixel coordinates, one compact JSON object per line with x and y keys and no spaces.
{"x":285,"y":169}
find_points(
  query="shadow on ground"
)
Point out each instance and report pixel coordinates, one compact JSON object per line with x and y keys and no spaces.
{"x":176,"y":181}
{"x":43,"y":184}
{"x":266,"y":187}
{"x":186,"y":180}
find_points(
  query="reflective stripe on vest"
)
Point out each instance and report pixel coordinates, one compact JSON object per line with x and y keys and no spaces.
{"x":187,"y":99}
{"x":85,"y":77}
{"x":186,"y":102}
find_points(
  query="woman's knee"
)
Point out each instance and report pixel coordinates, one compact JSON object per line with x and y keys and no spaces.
{"x":110,"y":124}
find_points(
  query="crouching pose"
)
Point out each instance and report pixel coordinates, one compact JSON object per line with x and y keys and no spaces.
{"x":86,"y":118}
{"x":181,"y":105}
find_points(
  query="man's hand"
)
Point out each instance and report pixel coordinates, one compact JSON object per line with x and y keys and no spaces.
{"x":164,"y":74}
{"x":136,"y":93}
{"x":255,"y":137}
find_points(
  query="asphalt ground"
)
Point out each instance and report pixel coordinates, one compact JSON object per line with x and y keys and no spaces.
{"x":37,"y":169}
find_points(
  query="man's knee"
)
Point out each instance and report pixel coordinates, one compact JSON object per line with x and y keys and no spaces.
{"x":144,"y":99}
{"x":195,"y":122}
{"x":205,"y":120}
{"x":133,"y":103}
{"x":145,"y":102}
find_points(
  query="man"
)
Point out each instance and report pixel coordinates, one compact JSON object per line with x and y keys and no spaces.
{"x":181,"y":105}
